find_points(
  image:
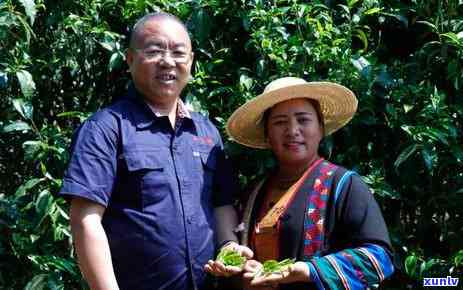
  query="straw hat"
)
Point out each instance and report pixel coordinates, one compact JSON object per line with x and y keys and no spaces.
{"x":337,"y":103}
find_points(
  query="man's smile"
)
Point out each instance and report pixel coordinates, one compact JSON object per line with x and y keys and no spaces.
{"x":166,"y":77}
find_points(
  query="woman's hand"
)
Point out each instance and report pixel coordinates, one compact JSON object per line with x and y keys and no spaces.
{"x":298,"y":272}
{"x":217,"y":268}
{"x":251,"y":267}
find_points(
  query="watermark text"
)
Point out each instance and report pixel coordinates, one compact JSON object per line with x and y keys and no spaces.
{"x":442,"y":282}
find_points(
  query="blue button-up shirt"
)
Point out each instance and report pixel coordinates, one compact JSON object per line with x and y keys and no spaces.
{"x":159,"y":186}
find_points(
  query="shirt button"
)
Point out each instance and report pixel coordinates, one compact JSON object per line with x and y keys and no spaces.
{"x":189,"y":219}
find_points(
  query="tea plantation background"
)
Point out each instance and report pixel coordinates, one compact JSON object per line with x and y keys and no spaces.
{"x":62,"y":60}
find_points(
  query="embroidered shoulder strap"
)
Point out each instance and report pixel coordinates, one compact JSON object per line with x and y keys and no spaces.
{"x":314,"y":220}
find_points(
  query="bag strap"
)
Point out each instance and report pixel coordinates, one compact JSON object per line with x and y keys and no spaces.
{"x":248,"y":212}
{"x":272,"y":217}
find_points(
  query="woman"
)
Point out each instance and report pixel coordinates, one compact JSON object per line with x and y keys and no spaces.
{"x":309,"y":209}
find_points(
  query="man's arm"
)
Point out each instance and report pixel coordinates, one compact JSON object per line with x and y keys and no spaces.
{"x":227,"y":221}
{"x":92,"y":245}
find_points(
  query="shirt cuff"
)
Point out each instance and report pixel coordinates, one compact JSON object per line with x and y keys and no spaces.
{"x":224,"y":243}
{"x":72,"y":189}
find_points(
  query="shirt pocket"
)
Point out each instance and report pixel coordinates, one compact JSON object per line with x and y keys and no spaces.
{"x":206,"y":165}
{"x":148,"y":171}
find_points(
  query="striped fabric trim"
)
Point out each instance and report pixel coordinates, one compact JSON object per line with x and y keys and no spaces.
{"x":374,"y":262}
{"x":340,"y":273}
{"x":327,"y":273}
{"x":360,"y":261}
{"x":354,"y":269}
{"x":382,"y":257}
{"x":353,"y":274}
{"x":315,"y":277}
{"x":357,"y":270}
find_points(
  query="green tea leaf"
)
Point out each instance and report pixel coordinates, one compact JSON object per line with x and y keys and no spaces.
{"x":451,"y":37}
{"x":74,"y":114}
{"x":115,"y":61}
{"x":17,"y":126}
{"x":405,"y":154}
{"x":28,"y":185}
{"x":410,"y":265}
{"x":39,"y":282}
{"x":24,"y":108}
{"x":360,"y":34}
{"x":31,"y":148}
{"x":428,"y":158}
{"x":372,"y":11}
{"x":245,"y":82}
{"x":200,"y":23}
{"x":44,"y":201}
{"x":231,"y":258}
{"x":428,"y":24}
{"x":29,"y":7}
{"x":26,"y":82}
{"x":351,"y":3}
{"x":274,"y":267}
{"x":458,"y":260}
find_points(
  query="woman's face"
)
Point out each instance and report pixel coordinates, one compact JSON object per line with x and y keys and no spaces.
{"x":294,"y":132}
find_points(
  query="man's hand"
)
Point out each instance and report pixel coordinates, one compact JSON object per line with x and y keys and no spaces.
{"x":217,"y":268}
{"x":298,"y":272}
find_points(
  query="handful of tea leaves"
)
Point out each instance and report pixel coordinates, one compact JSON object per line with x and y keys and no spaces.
{"x":230,"y":257}
{"x":272,"y":266}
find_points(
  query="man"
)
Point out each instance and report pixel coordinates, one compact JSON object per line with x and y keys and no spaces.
{"x":148,"y":179}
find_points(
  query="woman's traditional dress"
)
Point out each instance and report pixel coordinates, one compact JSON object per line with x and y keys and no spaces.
{"x":329,"y":219}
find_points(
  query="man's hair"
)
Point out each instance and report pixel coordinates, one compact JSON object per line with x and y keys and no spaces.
{"x":148,"y":17}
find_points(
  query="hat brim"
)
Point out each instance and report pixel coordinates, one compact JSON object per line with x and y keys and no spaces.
{"x":337,"y":103}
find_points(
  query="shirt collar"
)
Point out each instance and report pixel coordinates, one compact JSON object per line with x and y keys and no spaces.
{"x":145,"y":117}
{"x":182,"y":110}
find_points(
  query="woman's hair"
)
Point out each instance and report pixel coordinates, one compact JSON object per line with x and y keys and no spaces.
{"x":313,"y":102}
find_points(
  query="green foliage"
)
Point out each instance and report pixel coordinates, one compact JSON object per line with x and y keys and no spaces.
{"x":60,"y":61}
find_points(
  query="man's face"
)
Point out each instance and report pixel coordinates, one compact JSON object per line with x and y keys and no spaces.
{"x":160,"y":60}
